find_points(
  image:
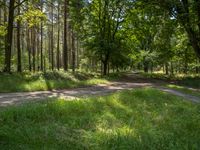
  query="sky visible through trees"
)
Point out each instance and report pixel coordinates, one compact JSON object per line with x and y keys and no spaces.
{"x":100,"y":35}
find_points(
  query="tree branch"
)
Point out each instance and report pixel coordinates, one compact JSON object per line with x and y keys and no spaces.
{"x":20,"y":3}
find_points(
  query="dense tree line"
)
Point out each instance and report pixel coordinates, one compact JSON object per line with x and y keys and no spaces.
{"x":100,"y":35}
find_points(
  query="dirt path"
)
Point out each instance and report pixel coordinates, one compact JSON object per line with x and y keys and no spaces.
{"x":128,"y":82}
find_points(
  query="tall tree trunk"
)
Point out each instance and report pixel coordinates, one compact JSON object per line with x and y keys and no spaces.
{"x":19,"y":63}
{"x":5,"y":21}
{"x":65,"y":48}
{"x":77,"y":53}
{"x":194,"y":40}
{"x":167,"y":69}
{"x":41,"y":41}
{"x":105,"y":65}
{"x":52,"y":40}
{"x":38,"y":49}
{"x":49,"y":49}
{"x":1,"y":16}
{"x":28,"y":48}
{"x":73,"y":53}
{"x":58,"y":42}
{"x":146,"y":66}
{"x":9,"y":37}
{"x":33,"y":47}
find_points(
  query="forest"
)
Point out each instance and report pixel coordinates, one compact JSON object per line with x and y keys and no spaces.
{"x":100,"y":74}
{"x":100,"y":35}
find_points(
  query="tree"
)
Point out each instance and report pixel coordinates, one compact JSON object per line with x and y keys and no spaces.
{"x":9,"y":37}
{"x":107,"y":18}
{"x":65,"y":49}
{"x":19,"y":63}
{"x":188,"y":15}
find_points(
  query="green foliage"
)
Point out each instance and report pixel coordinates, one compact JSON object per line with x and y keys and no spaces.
{"x":32,"y":17}
{"x":139,"y":119}
{"x":105,"y":37}
{"x":2,"y":31}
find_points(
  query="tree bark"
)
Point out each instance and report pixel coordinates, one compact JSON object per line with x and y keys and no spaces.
{"x":58,"y":42}
{"x":41,"y":42}
{"x":33,"y":47}
{"x":9,"y":37}
{"x":105,"y":65}
{"x":73,"y":53}
{"x":52,"y":40}
{"x":29,"y":49}
{"x":166,"y":69}
{"x":19,"y":63}
{"x":65,"y":48}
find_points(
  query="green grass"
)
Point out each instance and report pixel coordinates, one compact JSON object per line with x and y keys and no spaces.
{"x":48,"y":81}
{"x":182,"y":80}
{"x":184,"y":90}
{"x":140,"y":119}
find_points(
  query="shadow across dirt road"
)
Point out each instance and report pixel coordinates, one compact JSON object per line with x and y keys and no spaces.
{"x":126,"y":82}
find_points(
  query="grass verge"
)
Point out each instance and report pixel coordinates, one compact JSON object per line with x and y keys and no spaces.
{"x":193,"y":92}
{"x":182,"y":80}
{"x":139,"y":119}
{"x":48,"y":81}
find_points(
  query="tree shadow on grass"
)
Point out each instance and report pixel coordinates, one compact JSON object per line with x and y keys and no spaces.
{"x":141,"y":119}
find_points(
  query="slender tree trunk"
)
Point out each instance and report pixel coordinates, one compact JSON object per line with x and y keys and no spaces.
{"x":65,"y":48}
{"x":69,"y":41}
{"x":38,"y":49}
{"x":9,"y":37}
{"x":73,"y":53}
{"x":58,"y":42}
{"x":41,"y":41}
{"x":52,"y":40}
{"x":108,"y":68}
{"x":0,"y":16}
{"x":101,"y":68}
{"x":49,"y":50}
{"x":28,"y":48}
{"x":146,"y":66}
{"x":19,"y":63}
{"x":33,"y":47}
{"x":166,"y":69}
{"x":77,"y":53}
{"x":105,"y":65}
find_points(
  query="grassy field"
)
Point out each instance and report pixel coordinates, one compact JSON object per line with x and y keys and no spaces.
{"x":48,"y":81}
{"x":140,"y":119}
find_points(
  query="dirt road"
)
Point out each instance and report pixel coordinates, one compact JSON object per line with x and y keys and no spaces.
{"x":129,"y":82}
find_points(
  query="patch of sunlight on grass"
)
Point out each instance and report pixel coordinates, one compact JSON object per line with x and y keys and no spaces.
{"x":47,"y":81}
{"x":175,"y":86}
{"x":95,"y":81}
